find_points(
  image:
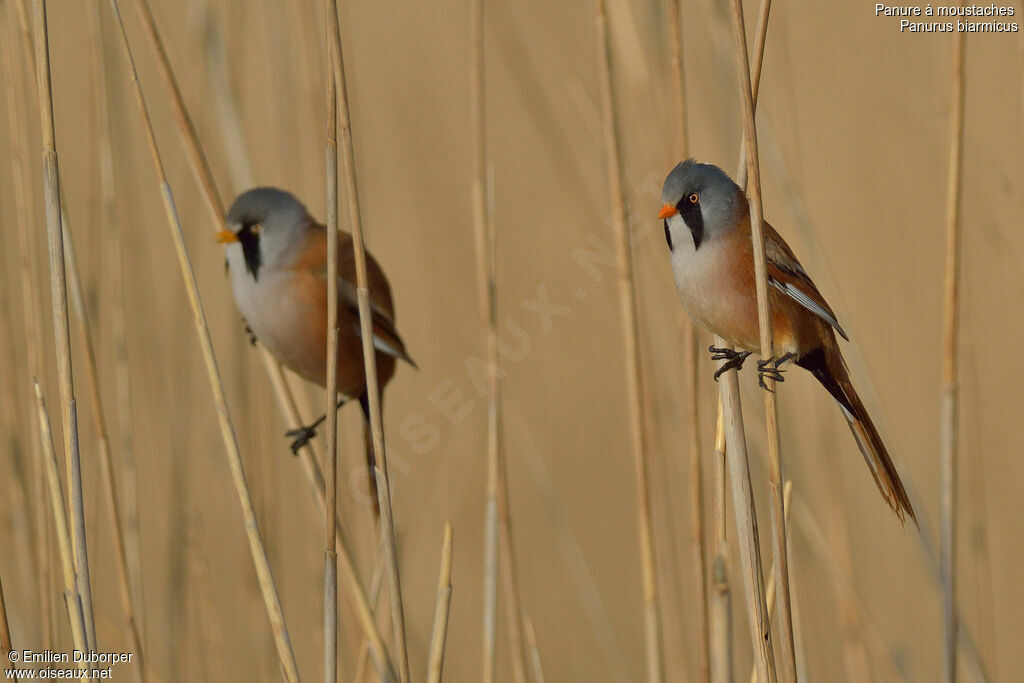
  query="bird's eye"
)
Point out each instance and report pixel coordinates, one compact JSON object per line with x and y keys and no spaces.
{"x":255,"y":228}
{"x":693,"y":198}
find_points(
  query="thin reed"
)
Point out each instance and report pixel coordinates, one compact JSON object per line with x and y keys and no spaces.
{"x":691,"y":356}
{"x":331,"y":410}
{"x":631,"y":351}
{"x":72,"y":598}
{"x":787,"y":669}
{"x":369,"y":357}
{"x":61,"y":323}
{"x":949,"y":430}
{"x":439,"y":633}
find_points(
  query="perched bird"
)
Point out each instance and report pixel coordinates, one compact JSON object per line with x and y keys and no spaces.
{"x":707,"y":227}
{"x":277,"y":257}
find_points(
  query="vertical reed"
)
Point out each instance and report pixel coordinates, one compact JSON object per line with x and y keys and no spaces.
{"x":771,"y":589}
{"x":497,"y":523}
{"x":369,"y":356}
{"x":61,"y":323}
{"x":949,"y":395}
{"x":764,"y":314}
{"x":631,"y":351}
{"x":264,"y":575}
{"x":690,"y":379}
{"x":72,"y":599}
{"x":720,"y":599}
{"x":439,"y":633}
{"x":330,"y":554}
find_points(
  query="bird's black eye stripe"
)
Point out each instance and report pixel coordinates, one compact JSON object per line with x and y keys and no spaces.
{"x":668,"y":235}
{"x":250,"y":239}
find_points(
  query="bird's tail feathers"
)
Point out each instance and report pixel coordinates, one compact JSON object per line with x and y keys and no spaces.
{"x":830,"y":369}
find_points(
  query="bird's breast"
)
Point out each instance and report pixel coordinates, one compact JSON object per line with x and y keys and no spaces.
{"x":286,"y":310}
{"x":716,"y":290}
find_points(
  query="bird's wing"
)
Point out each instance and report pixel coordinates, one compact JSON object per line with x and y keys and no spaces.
{"x":385,"y":336}
{"x":787,"y":275}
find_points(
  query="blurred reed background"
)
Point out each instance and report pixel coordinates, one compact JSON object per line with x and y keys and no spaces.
{"x":853,"y":128}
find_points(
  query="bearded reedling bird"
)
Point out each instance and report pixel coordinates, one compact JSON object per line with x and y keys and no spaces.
{"x":707,"y":227}
{"x":277,"y":257}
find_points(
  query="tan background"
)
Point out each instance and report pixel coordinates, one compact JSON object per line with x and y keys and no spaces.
{"x":853,"y":123}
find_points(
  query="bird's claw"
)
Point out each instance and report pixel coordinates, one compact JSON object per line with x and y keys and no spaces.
{"x":770,"y":368}
{"x":302,"y":435}
{"x":733,"y":359}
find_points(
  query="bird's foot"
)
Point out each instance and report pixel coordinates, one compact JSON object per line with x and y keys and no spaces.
{"x":733,"y":359}
{"x":301,"y":437}
{"x":770,"y":368}
{"x":252,"y":335}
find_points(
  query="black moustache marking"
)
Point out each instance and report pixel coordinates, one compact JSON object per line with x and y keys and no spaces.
{"x":668,"y":236}
{"x":250,"y":250}
{"x":694,"y":220}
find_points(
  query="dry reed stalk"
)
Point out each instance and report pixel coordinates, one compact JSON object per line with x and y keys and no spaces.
{"x":28,"y":271}
{"x":369,"y":355}
{"x":435,"y":660}
{"x":263,"y":572}
{"x":746,"y":524}
{"x":204,"y":176}
{"x":536,"y":667}
{"x":764,"y":315}
{"x":106,"y":465}
{"x":364,"y":646}
{"x":631,"y":351}
{"x":771,"y":590}
{"x":115,"y":270}
{"x":285,"y":398}
{"x":362,"y":605}
{"x":72,"y":600}
{"x":720,"y":598}
{"x":331,"y":386}
{"x":950,"y":391}
{"x":61,"y":323}
{"x":755,"y":79}
{"x":497,"y":524}
{"x":690,"y":380}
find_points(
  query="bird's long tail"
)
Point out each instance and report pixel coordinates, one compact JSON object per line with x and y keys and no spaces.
{"x":830,"y":369}
{"x":371,"y":462}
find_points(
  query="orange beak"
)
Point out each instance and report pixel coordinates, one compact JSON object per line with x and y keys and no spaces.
{"x":668,"y":211}
{"x":226,"y":237}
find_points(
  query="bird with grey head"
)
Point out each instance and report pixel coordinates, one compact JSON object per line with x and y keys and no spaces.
{"x":277,"y":259}
{"x":708,"y":230}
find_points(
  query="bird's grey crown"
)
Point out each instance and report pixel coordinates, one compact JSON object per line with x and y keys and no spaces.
{"x":690,"y":176}
{"x":266,"y":205}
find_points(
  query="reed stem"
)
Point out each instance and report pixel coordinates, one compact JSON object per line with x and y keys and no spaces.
{"x":72,"y":601}
{"x":950,"y":391}
{"x":331,"y":431}
{"x":439,"y":633}
{"x":631,"y":351}
{"x":764,"y":314}
{"x":61,"y":322}
{"x":369,"y":355}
